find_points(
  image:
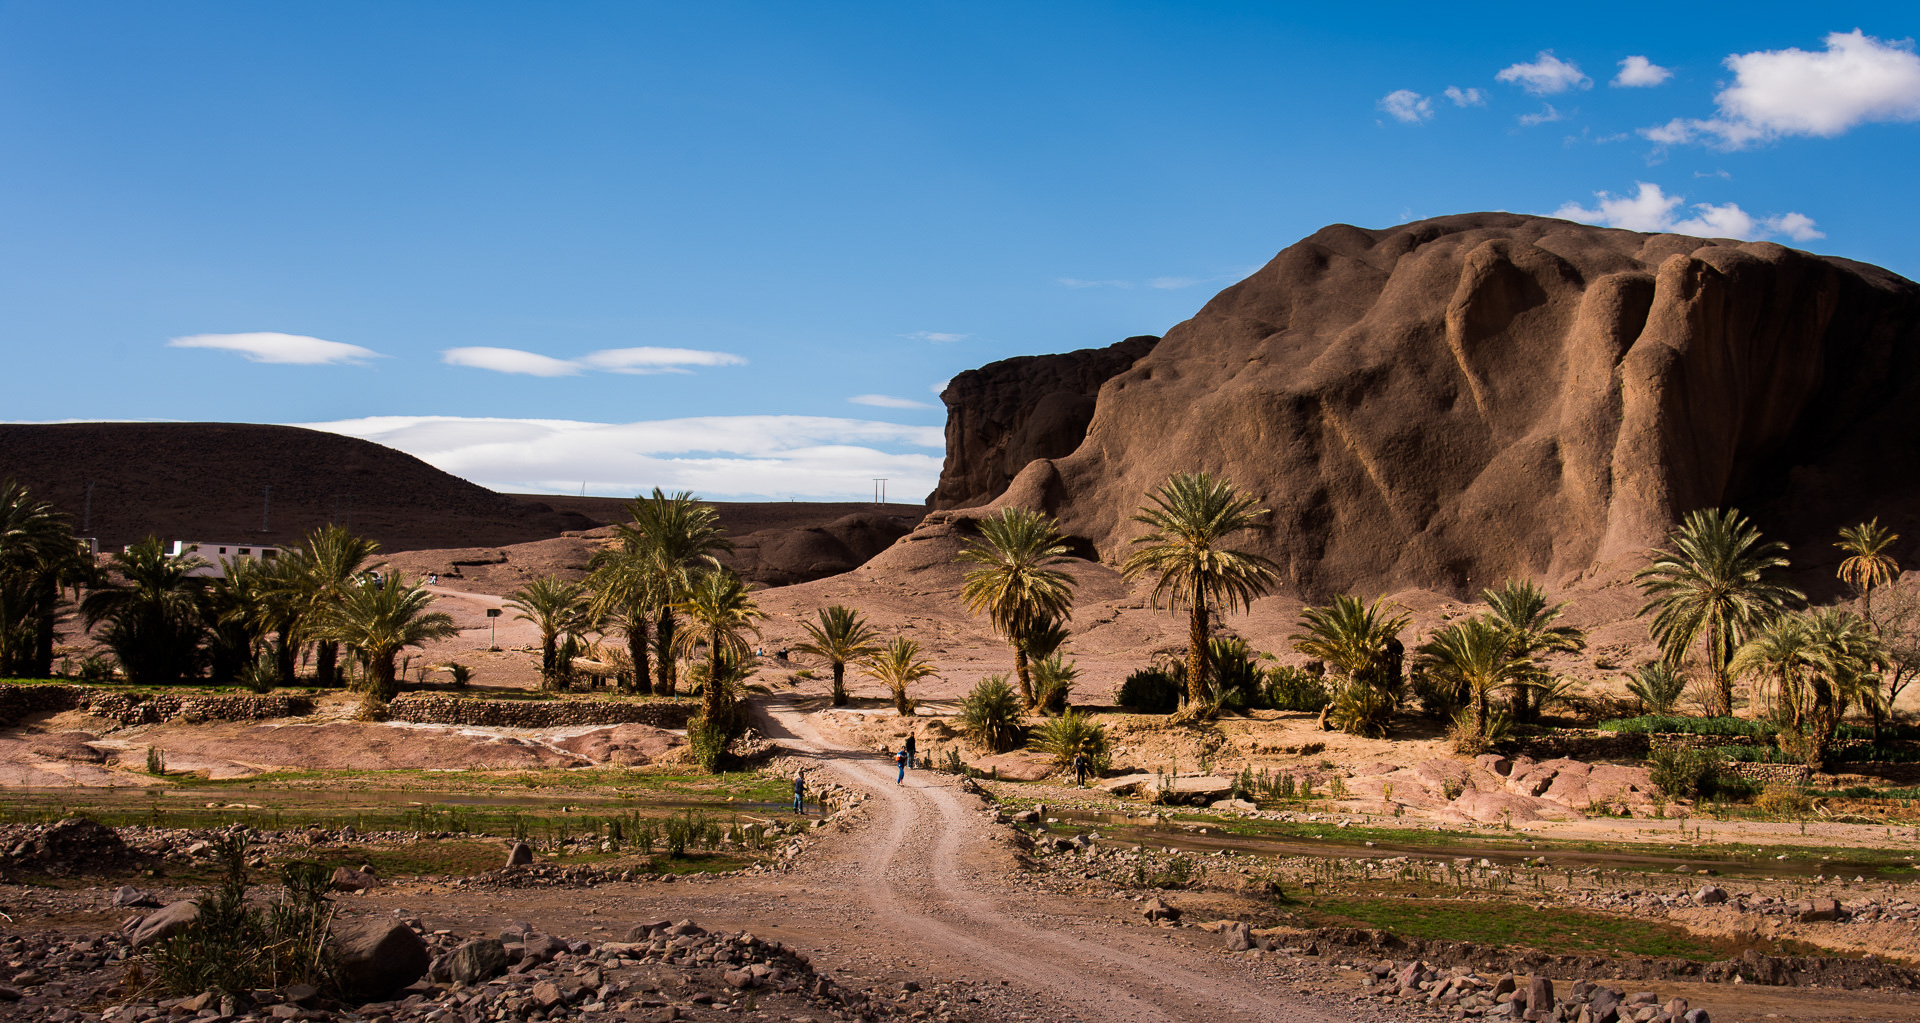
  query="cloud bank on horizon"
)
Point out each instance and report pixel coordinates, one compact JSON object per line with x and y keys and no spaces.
{"x":719,"y":457}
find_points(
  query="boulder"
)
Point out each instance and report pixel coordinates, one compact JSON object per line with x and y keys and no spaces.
{"x":1810,"y":911}
{"x":127,"y":896}
{"x":1239,"y":936}
{"x":346,"y":880}
{"x":1157,"y":910}
{"x":472,"y":962}
{"x":377,"y":957}
{"x":520,"y":854}
{"x":164,"y":923}
{"x":547,"y":994}
{"x":1127,"y":784}
{"x":1710,"y":895}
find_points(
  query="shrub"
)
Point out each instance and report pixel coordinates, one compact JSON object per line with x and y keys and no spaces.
{"x":1438,"y":699}
{"x":233,"y":947}
{"x":1288,"y":688}
{"x":1149,"y":691}
{"x":1658,"y":687}
{"x":1053,"y":681}
{"x":990,"y":714}
{"x":156,"y":761}
{"x":1657,"y":723}
{"x":1465,"y":736}
{"x":1069,"y":734}
{"x":1684,"y":773}
{"x":462,"y":675}
{"x":708,"y":741}
{"x":1362,"y":709}
{"x":262,"y":673}
{"x":1783,"y":801}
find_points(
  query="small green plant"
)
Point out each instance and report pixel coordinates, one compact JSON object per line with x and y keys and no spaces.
{"x":1658,"y":686}
{"x":1149,"y":691}
{"x":990,"y":714}
{"x":954,"y":764}
{"x":97,"y":668}
{"x":1784,"y":801}
{"x":1070,"y":734}
{"x":1290,"y":688}
{"x":1682,"y":772}
{"x":262,"y":673}
{"x":1053,"y":680}
{"x":1360,"y":708}
{"x":708,"y":743}
{"x":156,"y":762}
{"x":461,"y":674}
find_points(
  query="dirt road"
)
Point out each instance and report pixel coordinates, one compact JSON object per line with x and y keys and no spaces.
{"x":934,"y":879}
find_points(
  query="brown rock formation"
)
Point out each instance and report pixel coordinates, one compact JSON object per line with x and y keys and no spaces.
{"x":1008,"y":413}
{"x":1454,"y":401}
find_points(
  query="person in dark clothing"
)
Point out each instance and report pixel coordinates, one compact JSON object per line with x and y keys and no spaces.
{"x":800,"y":791}
{"x":910,"y":751}
{"x":1081,"y":765}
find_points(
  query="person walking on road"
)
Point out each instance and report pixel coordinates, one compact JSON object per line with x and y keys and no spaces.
{"x":900,"y":761}
{"x":1081,"y":765}
{"x":800,"y":791}
{"x":909,"y":751}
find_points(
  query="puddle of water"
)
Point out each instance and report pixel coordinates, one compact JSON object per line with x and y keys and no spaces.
{"x":1153,"y":834}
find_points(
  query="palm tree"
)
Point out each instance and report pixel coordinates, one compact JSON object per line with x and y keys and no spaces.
{"x":334,"y":562}
{"x":898,"y":665}
{"x":1521,"y":610}
{"x":1810,"y":667}
{"x":1015,"y":584}
{"x":1658,"y":686}
{"x":288,"y":608}
{"x":1477,"y":657}
{"x":377,"y":621}
{"x":1718,"y":580}
{"x":626,"y":592}
{"x":840,"y":635}
{"x":1867,"y":565}
{"x":1359,"y":642}
{"x":648,"y":569}
{"x":231,"y":606}
{"x":39,"y":556}
{"x":721,"y":613}
{"x":1192,"y":518}
{"x":557,"y":608}
{"x":154,"y":626}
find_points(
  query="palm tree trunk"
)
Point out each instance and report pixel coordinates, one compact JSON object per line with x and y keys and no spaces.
{"x":1716,"y":663}
{"x":839,"y":683}
{"x":716,"y":710}
{"x":326,"y":661}
{"x":900,"y":700}
{"x":1197,"y":650}
{"x":1480,"y":711}
{"x":666,"y":629}
{"x":548,"y":652}
{"x":637,"y":650}
{"x":284,"y":655}
{"x":382,"y":686}
{"x":41,"y":665}
{"x":1020,"y":672}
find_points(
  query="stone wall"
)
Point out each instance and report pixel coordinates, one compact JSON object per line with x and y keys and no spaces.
{"x":1587,"y":744}
{"x":453,"y":710}
{"x":128,"y":708}
{"x":1787,"y":774}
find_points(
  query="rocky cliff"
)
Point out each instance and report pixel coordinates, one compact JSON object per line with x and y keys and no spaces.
{"x":1450,"y":402}
{"x":1008,"y":413}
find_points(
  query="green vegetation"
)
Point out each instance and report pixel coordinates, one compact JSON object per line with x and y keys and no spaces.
{"x":233,"y":947}
{"x":898,"y":666}
{"x":990,"y":714}
{"x":1360,"y":644}
{"x":39,"y":558}
{"x":840,"y":635}
{"x":559,"y":609}
{"x":1658,"y":723}
{"x":1068,"y":735}
{"x":1192,"y":518}
{"x":1015,"y":582}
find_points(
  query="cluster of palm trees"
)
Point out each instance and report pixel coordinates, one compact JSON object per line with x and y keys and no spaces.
{"x":841,"y":636}
{"x":40,"y":559}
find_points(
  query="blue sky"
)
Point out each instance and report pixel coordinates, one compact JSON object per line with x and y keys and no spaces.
{"x":738,"y":247}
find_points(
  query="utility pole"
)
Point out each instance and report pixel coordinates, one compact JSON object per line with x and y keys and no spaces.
{"x":266,"y":501}
{"x":86,"y":517}
{"x":880,"y":490}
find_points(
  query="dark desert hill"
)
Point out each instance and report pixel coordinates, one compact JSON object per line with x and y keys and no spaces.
{"x":1447,"y":403}
{"x":206,"y":481}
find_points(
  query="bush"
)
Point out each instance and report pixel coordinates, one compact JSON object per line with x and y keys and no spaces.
{"x":1466,"y":737}
{"x":990,"y":714}
{"x":1362,"y":709}
{"x":1673,"y":724}
{"x":1069,"y":734}
{"x":1149,"y":691}
{"x":97,"y":668}
{"x":1053,"y":681}
{"x":1684,"y":773}
{"x":262,"y":673}
{"x":156,"y":762}
{"x":708,"y":741}
{"x":462,"y":675}
{"x":1287,"y":688}
{"x":1783,"y":801}
{"x":232,"y":947}
{"x":1658,"y":687}
{"x":1439,"y":700}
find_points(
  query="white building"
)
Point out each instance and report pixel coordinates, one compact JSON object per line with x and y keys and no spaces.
{"x":215,"y":553}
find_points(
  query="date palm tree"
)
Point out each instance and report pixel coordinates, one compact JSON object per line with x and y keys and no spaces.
{"x":335,"y":560}
{"x":1522,"y":611}
{"x":1717,"y":580}
{"x":1809,"y":668}
{"x":377,"y":621}
{"x":557,"y":608}
{"x":647,"y":570}
{"x":1867,"y":564}
{"x":39,"y":557}
{"x":720,"y":614}
{"x":150,"y":607}
{"x":1360,"y":643}
{"x":1015,"y":584}
{"x":1476,"y":656}
{"x":840,"y":635}
{"x":898,"y":665}
{"x":230,"y":605}
{"x":1192,"y":520}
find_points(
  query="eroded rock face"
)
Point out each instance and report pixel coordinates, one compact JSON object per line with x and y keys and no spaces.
{"x":1451,"y":402}
{"x":782,"y":557}
{"x":1008,"y":413}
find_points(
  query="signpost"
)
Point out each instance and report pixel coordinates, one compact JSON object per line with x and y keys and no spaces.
{"x":493,"y":614}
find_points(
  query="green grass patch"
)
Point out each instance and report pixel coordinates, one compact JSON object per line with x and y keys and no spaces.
{"x":1648,"y":724}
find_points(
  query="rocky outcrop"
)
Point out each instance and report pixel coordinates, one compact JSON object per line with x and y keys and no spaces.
{"x":1451,"y":402}
{"x":782,"y":557}
{"x":1008,"y":413}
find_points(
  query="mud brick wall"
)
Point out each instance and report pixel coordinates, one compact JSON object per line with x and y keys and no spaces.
{"x":1583,"y":744}
{"x":452,"y":710}
{"x":138,"y":709}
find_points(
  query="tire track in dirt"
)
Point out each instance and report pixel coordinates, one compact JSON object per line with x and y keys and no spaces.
{"x":922,"y":869}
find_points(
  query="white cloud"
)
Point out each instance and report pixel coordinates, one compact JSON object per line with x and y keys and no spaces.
{"x":745,"y":457}
{"x":1173,"y":283}
{"x":1548,"y":75}
{"x":1856,"y":80}
{"x":936,"y":336}
{"x":657,"y":360}
{"x":888,"y":401}
{"x":510,"y":360}
{"x":1651,"y":209}
{"x":1466,"y":97}
{"x":1640,"y":73}
{"x":1407,"y":105}
{"x":1075,"y":282}
{"x":939,"y":388}
{"x":284,"y":349}
{"x":1547,"y":115}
